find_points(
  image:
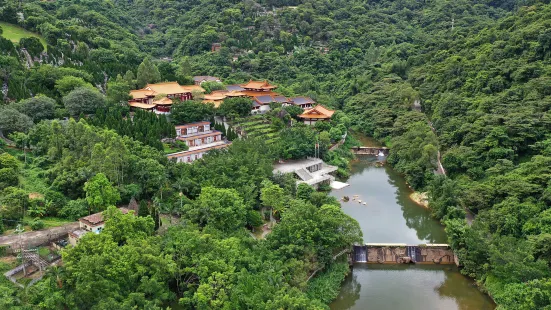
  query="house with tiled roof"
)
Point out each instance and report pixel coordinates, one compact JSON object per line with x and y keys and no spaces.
{"x":93,"y":223}
{"x":318,"y":113}
{"x":148,"y":97}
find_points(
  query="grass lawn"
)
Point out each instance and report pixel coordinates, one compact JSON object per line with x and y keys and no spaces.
{"x":14,"y":33}
{"x":50,"y":222}
{"x":9,"y":232}
{"x":168,"y":149}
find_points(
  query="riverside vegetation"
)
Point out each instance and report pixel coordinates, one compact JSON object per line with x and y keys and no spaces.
{"x":480,"y":68}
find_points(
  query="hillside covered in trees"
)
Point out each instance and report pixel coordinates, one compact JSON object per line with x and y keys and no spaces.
{"x":480,"y":70}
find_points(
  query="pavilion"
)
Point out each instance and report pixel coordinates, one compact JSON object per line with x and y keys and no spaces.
{"x":316,"y":114}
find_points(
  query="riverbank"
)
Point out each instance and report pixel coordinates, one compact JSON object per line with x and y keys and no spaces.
{"x":421,"y":199}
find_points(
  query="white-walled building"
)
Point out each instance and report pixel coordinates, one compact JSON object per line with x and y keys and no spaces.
{"x":200,"y":139}
{"x":93,"y":223}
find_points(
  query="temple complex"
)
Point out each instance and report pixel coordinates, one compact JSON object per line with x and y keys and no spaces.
{"x":158,"y":97}
{"x":262,"y":94}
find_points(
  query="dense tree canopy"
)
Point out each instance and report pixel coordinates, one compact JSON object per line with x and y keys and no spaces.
{"x":467,"y":80}
{"x":83,"y":100}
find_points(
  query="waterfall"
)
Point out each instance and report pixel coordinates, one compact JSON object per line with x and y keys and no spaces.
{"x":360,"y":254}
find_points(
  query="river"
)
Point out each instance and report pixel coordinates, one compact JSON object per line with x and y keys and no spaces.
{"x":389,"y":216}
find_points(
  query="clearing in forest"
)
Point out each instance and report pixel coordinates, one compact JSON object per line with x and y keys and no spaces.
{"x":14,"y":33}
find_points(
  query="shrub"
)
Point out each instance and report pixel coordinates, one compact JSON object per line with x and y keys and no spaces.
{"x":37,"y":224}
{"x":254,"y":219}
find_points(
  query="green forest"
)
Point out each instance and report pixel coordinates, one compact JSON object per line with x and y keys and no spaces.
{"x":466,"y":81}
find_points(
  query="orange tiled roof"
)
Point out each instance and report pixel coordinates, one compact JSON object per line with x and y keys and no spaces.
{"x":220,"y":91}
{"x":264,"y":85}
{"x":141,"y":93}
{"x":192,"y":124}
{"x":254,"y":93}
{"x":163,"y":101}
{"x":167,"y":88}
{"x":235,"y":94}
{"x":214,"y":96}
{"x":318,"y":111}
{"x":192,"y":88}
{"x":141,"y":105}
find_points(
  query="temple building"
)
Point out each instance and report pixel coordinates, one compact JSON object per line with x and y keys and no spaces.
{"x":218,"y":96}
{"x":303,"y":102}
{"x":261,"y":93}
{"x":316,"y":114}
{"x":261,"y":104}
{"x":259,"y":86}
{"x":158,"y":97}
{"x":200,"y":139}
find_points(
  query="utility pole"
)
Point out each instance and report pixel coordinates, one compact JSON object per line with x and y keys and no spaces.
{"x":19,"y":230}
{"x":453,"y":22}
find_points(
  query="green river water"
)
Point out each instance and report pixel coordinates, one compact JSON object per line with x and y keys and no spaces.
{"x":389,"y":216}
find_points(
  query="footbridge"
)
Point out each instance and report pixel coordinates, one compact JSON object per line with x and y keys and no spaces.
{"x":401,"y":253}
{"x":369,"y":150}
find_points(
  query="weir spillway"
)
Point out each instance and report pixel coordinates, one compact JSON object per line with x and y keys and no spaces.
{"x":397,"y":253}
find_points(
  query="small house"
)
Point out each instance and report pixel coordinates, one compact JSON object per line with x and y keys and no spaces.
{"x":93,"y":223}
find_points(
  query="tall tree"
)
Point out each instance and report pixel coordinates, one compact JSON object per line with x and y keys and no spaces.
{"x":38,"y":108}
{"x":147,"y":73}
{"x":100,"y":193}
{"x":83,"y":100}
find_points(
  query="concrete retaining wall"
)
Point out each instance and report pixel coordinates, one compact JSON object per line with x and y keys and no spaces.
{"x":397,"y":253}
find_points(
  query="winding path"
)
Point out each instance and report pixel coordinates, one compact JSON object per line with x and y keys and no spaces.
{"x":35,"y":238}
{"x":469,"y":215}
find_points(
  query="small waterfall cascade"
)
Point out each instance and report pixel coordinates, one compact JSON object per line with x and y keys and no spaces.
{"x":411,"y":251}
{"x":360,"y":254}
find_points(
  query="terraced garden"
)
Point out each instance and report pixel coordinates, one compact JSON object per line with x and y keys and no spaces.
{"x":257,"y":126}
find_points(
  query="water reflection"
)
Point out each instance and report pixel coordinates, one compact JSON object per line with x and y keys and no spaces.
{"x":409,"y":287}
{"x":390,"y":216}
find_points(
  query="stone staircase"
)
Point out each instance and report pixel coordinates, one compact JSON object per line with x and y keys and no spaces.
{"x":303,"y":174}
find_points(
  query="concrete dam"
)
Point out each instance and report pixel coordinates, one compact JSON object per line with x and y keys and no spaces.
{"x":367,"y":150}
{"x":398,"y":253}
